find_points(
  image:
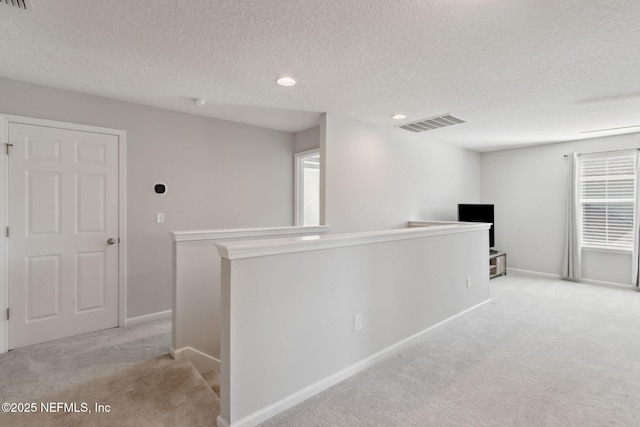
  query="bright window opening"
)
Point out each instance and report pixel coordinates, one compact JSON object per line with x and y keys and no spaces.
{"x":606,"y":193}
{"x":307,"y":191}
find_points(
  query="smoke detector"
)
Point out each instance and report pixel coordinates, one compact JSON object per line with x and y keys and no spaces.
{"x":200,"y":102}
{"x":21,"y":4}
{"x":432,"y":123}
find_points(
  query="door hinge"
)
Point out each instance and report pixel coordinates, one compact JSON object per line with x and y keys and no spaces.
{"x":7,"y":313}
{"x":8,"y":147}
{"x":7,"y":231}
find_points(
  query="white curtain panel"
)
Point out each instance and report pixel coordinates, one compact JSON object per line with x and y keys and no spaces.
{"x":572,"y":264}
{"x":635,"y":280}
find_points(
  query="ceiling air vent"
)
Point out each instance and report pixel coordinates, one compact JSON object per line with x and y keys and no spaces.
{"x":432,"y":123}
{"x":22,"y":4}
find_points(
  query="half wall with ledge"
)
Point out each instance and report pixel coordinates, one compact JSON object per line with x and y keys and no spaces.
{"x":301,"y":314}
{"x":196,"y":288}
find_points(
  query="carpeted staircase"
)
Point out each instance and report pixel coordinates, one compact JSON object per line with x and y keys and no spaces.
{"x":158,"y":392}
{"x":213,"y":379}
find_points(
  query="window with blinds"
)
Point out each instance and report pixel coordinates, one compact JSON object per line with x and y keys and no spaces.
{"x":606,"y":193}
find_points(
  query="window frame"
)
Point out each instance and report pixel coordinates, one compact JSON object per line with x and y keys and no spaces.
{"x":607,"y":201}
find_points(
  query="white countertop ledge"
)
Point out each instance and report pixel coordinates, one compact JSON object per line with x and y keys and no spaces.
{"x":191,"y":236}
{"x":258,"y":248}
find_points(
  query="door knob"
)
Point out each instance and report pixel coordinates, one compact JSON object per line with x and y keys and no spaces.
{"x":111,"y":241}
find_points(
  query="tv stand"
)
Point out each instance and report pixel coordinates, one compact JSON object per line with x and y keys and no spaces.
{"x":497,"y":263}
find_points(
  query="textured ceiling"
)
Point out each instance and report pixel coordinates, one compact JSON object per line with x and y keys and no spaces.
{"x":517,"y":71}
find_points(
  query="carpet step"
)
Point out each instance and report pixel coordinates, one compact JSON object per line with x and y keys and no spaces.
{"x":157,"y":392}
{"x":213,"y":379}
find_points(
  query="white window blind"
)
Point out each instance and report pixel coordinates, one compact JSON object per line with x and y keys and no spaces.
{"x":606,"y":193}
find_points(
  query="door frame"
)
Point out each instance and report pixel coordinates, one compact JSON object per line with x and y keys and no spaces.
{"x":5,"y":119}
{"x":298,"y":183}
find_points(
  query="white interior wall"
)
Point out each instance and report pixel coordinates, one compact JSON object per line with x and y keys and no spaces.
{"x":196,"y":288}
{"x":291,"y":304}
{"x":528,"y":187}
{"x":219,"y":174}
{"x":307,"y":140}
{"x":377,"y":178}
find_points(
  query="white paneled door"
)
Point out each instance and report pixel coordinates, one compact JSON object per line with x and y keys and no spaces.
{"x":63,"y":233}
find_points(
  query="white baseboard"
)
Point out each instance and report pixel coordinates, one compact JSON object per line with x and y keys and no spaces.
{"x":148,"y":318}
{"x":221,"y":422}
{"x":607,"y":284}
{"x":533,"y":273}
{"x":557,"y":276}
{"x":315,"y":388}
{"x":202,"y":361}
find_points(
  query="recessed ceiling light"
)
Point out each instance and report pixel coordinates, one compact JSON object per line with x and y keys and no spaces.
{"x":398,"y":117}
{"x":286,"y":81}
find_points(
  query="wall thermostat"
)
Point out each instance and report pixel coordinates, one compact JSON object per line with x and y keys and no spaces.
{"x":160,"y":188}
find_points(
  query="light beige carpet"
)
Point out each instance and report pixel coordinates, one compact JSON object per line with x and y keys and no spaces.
{"x":39,"y":370}
{"x":158,"y":392}
{"x":543,"y":353}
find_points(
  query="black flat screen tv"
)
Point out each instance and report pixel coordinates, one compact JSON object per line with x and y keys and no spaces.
{"x":477,"y":213}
